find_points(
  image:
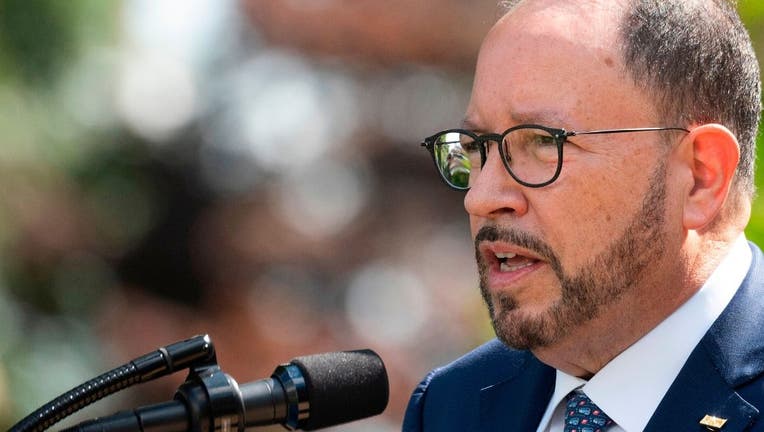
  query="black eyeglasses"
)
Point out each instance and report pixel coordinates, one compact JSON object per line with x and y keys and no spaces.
{"x":532,"y":154}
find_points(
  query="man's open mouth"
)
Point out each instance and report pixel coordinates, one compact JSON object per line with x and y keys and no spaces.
{"x":509,"y":262}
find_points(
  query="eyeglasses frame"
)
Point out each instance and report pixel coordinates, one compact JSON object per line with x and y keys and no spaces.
{"x":560,"y":136}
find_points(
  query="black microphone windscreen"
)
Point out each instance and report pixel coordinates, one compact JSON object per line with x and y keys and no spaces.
{"x":343,"y":386}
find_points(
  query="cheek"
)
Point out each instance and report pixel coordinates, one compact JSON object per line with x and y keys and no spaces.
{"x":677,"y":190}
{"x":584,"y":214}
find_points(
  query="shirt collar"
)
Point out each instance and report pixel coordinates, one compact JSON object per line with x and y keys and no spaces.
{"x":631,"y":386}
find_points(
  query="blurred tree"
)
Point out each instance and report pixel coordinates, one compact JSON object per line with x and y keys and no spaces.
{"x":752,"y":12}
{"x":37,"y":37}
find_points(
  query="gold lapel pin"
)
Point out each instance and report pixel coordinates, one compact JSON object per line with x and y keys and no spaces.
{"x":713,"y":423}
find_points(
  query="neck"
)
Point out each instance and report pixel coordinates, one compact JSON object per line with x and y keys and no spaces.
{"x":678,"y":276}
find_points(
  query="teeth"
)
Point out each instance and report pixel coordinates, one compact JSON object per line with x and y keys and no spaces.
{"x":505,"y":255}
{"x":506,"y":264}
{"x":510,"y":268}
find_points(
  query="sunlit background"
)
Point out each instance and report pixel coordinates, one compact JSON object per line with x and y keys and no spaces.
{"x":244,"y":168}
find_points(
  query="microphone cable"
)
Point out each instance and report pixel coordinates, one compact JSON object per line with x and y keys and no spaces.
{"x":191,"y":352}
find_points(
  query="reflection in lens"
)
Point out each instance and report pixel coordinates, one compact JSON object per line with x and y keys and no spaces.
{"x":454,"y":162}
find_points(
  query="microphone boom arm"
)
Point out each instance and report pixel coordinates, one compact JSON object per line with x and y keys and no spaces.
{"x":310,"y":392}
{"x":161,"y":362}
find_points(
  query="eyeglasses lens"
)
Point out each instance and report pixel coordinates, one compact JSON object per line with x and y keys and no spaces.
{"x":457,"y":156}
{"x":531,"y":156}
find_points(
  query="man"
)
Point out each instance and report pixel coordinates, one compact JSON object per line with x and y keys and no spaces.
{"x":607,"y":154}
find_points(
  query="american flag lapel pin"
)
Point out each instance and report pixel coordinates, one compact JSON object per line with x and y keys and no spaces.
{"x":713,"y":423}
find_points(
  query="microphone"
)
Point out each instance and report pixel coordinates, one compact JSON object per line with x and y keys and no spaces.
{"x":308,"y":393}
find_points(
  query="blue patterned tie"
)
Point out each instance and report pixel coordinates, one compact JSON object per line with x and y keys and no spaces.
{"x":582,"y":415}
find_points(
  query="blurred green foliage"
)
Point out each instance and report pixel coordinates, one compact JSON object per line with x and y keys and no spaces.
{"x":752,"y":12}
{"x":42,"y":148}
{"x":37,"y":38}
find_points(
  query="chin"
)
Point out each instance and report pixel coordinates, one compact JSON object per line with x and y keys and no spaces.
{"x":528,"y":329}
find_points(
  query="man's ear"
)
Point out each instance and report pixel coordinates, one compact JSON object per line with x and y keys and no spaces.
{"x":713,"y":153}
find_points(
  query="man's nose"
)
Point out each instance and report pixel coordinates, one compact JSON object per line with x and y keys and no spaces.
{"x":494,"y":192}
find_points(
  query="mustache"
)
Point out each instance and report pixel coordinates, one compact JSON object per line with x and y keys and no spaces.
{"x":523,"y":239}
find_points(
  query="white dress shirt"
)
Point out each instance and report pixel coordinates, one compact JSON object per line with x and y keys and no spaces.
{"x":630,"y":387}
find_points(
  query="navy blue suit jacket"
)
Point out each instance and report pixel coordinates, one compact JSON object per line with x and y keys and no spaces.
{"x":495,"y":388}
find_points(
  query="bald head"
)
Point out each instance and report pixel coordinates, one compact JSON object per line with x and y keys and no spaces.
{"x":595,"y":20}
{"x":550,"y":62}
{"x":693,"y":58}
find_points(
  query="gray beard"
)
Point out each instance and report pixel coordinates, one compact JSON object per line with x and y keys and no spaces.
{"x":620,"y":267}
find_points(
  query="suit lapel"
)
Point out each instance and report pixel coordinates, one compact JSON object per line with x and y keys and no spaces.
{"x":518,"y":403}
{"x":700,"y":390}
{"x":728,"y":358}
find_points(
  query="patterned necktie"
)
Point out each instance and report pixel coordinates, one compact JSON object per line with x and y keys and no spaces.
{"x":582,"y":415}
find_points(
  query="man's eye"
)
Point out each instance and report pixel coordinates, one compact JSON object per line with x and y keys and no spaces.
{"x":544,"y":140}
{"x":471,"y":146}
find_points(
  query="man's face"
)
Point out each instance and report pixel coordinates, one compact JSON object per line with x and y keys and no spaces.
{"x":553,"y":258}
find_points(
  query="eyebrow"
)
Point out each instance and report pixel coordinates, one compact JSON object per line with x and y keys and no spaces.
{"x":543,"y":117}
{"x":547,"y":118}
{"x":470,"y":125}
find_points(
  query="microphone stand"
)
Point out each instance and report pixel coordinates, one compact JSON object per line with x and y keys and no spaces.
{"x":209,"y":400}
{"x":310,"y":392}
{"x":196,"y":351}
